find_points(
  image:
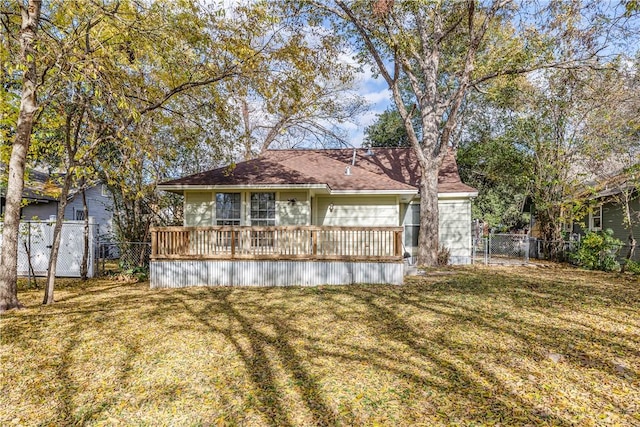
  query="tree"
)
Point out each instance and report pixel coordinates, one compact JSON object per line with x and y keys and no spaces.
{"x":110,"y":75}
{"x":387,"y":131}
{"x":30,"y":14}
{"x":299,"y":95}
{"x":613,"y":126}
{"x":445,"y":49}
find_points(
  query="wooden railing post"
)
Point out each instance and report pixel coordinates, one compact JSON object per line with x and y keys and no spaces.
{"x":233,"y":244}
{"x":314,"y":240}
{"x":154,"y":242}
{"x":398,"y":245}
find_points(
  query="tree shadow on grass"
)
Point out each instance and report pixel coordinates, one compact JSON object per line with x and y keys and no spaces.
{"x":259,"y":363}
{"x":286,"y":338}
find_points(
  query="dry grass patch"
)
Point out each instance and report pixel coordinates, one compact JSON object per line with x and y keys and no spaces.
{"x":499,"y":346}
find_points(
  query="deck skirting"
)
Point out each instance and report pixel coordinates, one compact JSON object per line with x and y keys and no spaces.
{"x":184,"y":273}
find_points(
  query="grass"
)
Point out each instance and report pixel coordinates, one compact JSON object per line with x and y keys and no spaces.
{"x":470,"y":346}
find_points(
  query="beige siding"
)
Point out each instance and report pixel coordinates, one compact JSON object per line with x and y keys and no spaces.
{"x":198,"y":208}
{"x":455,"y":228}
{"x":293,"y":208}
{"x":358,"y":211}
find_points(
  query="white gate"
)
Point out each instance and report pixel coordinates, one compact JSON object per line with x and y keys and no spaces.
{"x":35,"y":242}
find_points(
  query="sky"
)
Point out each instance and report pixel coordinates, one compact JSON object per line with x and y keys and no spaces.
{"x":376,"y":93}
{"x":373,"y":89}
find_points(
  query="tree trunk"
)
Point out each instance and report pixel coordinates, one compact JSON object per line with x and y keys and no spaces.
{"x":428,"y":236}
{"x":628,"y":222}
{"x":84,"y":267}
{"x":15,"y":184}
{"x":55,"y":246}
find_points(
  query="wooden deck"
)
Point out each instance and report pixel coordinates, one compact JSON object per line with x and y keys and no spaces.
{"x":371,"y":244}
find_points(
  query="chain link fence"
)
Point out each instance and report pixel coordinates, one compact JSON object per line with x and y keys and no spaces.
{"x":501,"y":249}
{"x":519,"y":249}
{"x":123,"y":256}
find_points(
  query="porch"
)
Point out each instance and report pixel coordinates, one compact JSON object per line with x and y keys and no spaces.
{"x":275,"y":256}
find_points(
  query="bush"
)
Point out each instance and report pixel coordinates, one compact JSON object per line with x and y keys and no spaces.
{"x":598,"y":251}
{"x":632,"y":267}
{"x":444,"y":256}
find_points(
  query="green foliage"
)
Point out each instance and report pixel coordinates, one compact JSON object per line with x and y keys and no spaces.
{"x":598,"y":251}
{"x":387,"y":131}
{"x":632,"y":267}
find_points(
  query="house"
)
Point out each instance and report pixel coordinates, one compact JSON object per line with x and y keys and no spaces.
{"x":608,"y":210}
{"x":41,"y":195}
{"x":306,"y":217}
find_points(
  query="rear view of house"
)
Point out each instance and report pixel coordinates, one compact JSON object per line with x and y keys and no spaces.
{"x":346,"y":206}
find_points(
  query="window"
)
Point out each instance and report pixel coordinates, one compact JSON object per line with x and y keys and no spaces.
{"x":228,"y":208}
{"x":263,"y":209}
{"x":79,"y":215}
{"x":104,"y":190}
{"x":411,"y":226}
{"x":595,"y":219}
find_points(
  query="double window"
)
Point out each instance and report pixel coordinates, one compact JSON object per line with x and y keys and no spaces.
{"x":228,"y":208}
{"x":262,"y":208}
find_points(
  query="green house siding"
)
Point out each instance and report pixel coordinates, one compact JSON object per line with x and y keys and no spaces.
{"x":613,"y":218}
{"x":358,"y":211}
{"x":293,"y":208}
{"x":198,"y":208}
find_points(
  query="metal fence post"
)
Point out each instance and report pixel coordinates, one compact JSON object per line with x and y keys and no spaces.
{"x":487,"y":245}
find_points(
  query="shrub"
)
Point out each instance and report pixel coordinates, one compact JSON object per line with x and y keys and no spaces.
{"x":632,"y":267}
{"x":444,"y":255}
{"x":598,"y":251}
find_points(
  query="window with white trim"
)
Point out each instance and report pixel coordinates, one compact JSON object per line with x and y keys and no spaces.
{"x":411,"y":226}
{"x":263,"y":209}
{"x":228,"y":208}
{"x":595,"y":219}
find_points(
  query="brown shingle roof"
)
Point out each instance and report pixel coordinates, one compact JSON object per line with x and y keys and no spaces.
{"x":393,"y":169}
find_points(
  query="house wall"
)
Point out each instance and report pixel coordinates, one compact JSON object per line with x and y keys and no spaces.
{"x":40,"y":211}
{"x":293,"y":208}
{"x":613,"y":218}
{"x":455,"y":228}
{"x":357,"y":211}
{"x":199,"y":208}
{"x":100,"y":209}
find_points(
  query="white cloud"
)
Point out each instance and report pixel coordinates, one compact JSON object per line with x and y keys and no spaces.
{"x":375,"y":92}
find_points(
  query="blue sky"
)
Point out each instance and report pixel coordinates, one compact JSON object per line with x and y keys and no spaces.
{"x":375,"y":92}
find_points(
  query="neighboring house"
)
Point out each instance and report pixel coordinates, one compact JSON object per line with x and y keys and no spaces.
{"x":42,"y":197}
{"x":37,"y":192}
{"x":606,"y":209}
{"x":322,"y":192}
{"x":609,"y":210}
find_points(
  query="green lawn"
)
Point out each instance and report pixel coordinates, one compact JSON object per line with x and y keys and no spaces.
{"x":470,"y":346}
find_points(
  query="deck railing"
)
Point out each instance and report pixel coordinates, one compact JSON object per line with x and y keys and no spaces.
{"x":297,"y":242}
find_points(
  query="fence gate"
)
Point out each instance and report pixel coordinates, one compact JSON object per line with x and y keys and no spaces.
{"x":501,"y":249}
{"x":34,"y":248}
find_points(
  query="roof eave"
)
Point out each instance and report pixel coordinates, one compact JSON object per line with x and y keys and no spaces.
{"x":180,"y":188}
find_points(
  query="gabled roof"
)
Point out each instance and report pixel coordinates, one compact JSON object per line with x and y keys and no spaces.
{"x":381,"y":169}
